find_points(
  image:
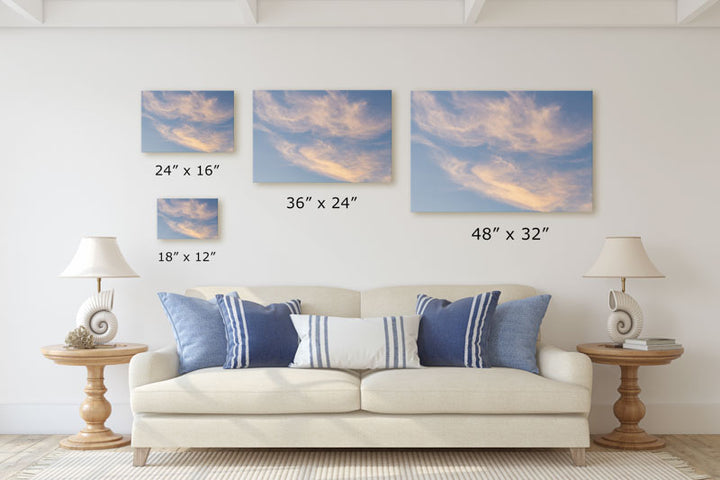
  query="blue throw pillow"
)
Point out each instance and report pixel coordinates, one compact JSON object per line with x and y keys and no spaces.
{"x":514,"y":332}
{"x":258,"y":336}
{"x":454,"y":334}
{"x":199,"y":331}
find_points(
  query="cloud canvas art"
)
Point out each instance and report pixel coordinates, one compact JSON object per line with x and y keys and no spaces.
{"x":187,"y":218}
{"x":322,"y":136}
{"x":188,"y":121}
{"x":502,"y":151}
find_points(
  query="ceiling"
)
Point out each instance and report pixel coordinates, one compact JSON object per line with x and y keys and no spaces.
{"x":359,"y":13}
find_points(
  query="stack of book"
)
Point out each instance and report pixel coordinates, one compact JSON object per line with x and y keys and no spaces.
{"x":651,"y":344}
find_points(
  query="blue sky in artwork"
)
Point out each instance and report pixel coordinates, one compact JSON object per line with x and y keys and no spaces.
{"x":502,"y":151}
{"x":188,"y":121}
{"x":182,"y":218}
{"x":322,"y":136}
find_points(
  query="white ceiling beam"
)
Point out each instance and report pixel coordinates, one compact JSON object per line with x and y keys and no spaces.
{"x":146,"y":13}
{"x":250,"y":10}
{"x":29,"y":9}
{"x":578,"y":13}
{"x":359,"y":13}
{"x":472,"y":10}
{"x":689,"y":10}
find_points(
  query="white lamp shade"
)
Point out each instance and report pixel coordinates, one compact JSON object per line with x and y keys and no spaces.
{"x":98,"y":257}
{"x":623,"y":257}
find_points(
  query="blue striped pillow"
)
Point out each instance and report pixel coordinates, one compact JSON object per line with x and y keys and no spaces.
{"x":257,"y":335}
{"x":356,"y":343}
{"x":454,"y":334}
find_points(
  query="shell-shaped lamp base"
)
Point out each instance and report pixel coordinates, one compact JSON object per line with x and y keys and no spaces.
{"x":96,"y":315}
{"x":626,"y":319}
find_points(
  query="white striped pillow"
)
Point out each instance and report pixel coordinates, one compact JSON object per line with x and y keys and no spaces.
{"x":356,"y":343}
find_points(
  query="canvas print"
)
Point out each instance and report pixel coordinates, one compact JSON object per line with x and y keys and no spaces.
{"x":322,"y":136}
{"x":502,"y":151}
{"x":188,"y":121}
{"x":187,"y":218}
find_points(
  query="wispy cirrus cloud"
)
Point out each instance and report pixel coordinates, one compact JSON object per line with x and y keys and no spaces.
{"x":191,"y":208}
{"x":514,"y":150}
{"x":535,"y":190}
{"x":193,"y":230}
{"x":188,"y":121}
{"x":187,"y":218}
{"x":342,"y":136}
{"x":201,"y":140}
{"x":342,"y":165}
{"x":332,"y":114}
{"x":513,"y":123}
{"x":190,"y":106}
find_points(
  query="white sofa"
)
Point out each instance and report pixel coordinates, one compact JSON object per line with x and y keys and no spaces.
{"x":434,"y":407}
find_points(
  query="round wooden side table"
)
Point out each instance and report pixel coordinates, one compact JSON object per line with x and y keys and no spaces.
{"x":95,"y":409}
{"x":629,"y":410}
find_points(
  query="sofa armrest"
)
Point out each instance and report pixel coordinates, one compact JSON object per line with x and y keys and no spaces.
{"x":151,"y":367}
{"x":569,"y":367}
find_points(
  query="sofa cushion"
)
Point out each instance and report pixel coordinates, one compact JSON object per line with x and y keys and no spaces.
{"x":339,"y":302}
{"x":251,"y":391}
{"x":469,"y":390}
{"x":402,"y":300}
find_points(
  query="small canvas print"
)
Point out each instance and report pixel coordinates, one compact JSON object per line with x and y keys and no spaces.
{"x":187,"y":218}
{"x":322,"y":136}
{"x":188,"y":121}
{"x":502,"y":151}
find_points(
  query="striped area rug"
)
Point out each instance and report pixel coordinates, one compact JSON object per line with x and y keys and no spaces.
{"x":357,"y":464}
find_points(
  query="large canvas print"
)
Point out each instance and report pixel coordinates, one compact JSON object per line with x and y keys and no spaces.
{"x":187,"y":218}
{"x":502,"y":151}
{"x":199,"y":121}
{"x":322,"y":136}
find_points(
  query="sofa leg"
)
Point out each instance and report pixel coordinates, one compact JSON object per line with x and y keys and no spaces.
{"x":578,"y":456}
{"x":140,"y":456}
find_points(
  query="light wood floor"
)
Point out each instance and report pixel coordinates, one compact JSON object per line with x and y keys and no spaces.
{"x":19,"y":451}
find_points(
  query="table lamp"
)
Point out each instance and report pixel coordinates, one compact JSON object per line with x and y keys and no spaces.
{"x":98,"y":257}
{"x":623,"y":257}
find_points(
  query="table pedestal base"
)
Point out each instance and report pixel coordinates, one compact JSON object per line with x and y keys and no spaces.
{"x":95,"y":409}
{"x":630,"y":440}
{"x":83,"y":441}
{"x":629,"y":410}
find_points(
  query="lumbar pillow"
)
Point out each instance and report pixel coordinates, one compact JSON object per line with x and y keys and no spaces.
{"x":198,"y":328}
{"x":257,"y":335}
{"x":454,"y":334}
{"x":357,"y":343}
{"x":514,"y":332}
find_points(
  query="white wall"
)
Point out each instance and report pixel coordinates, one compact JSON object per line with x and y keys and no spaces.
{"x":70,"y":165}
